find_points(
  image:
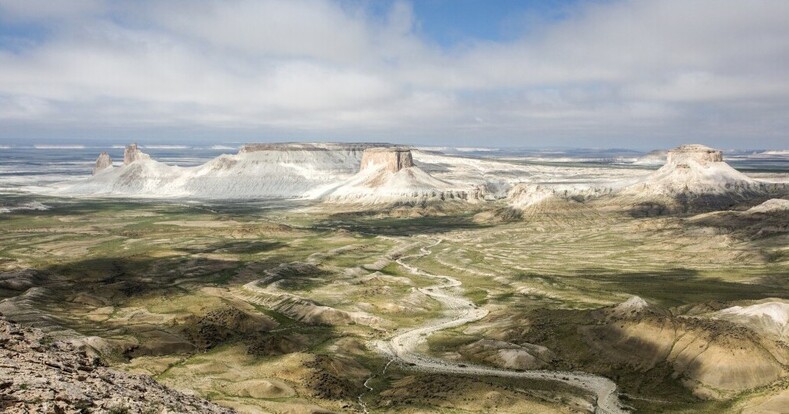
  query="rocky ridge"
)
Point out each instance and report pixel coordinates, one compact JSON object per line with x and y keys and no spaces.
{"x":525,"y":195}
{"x":39,"y":375}
{"x":694,"y":178}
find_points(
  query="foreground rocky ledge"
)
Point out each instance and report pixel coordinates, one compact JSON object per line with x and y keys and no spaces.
{"x":38,"y":375}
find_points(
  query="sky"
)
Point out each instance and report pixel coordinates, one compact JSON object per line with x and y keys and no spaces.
{"x":594,"y":74}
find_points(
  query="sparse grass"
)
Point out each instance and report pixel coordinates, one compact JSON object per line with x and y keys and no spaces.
{"x":154,"y":275}
{"x":448,"y":341}
{"x":476,"y":295}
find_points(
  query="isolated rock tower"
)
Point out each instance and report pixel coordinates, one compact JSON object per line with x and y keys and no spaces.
{"x":102,"y":163}
{"x":390,"y":159}
{"x":132,"y":154}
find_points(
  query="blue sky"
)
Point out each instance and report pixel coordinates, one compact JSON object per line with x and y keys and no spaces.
{"x":608,"y":73}
{"x":453,"y":22}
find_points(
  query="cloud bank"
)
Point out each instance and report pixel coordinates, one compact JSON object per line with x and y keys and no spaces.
{"x":637,"y":74}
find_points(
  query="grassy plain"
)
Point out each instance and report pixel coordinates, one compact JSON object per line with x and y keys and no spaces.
{"x":160,"y":289}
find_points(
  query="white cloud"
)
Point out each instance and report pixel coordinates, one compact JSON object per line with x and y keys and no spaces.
{"x":37,"y":10}
{"x":23,"y":107}
{"x":625,"y":70}
{"x":271,"y":28}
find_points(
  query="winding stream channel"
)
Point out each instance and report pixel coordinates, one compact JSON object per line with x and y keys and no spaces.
{"x":403,"y":346}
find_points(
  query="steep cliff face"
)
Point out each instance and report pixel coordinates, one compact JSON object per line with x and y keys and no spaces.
{"x":695,"y":178}
{"x":132,"y":153}
{"x":388,"y":159}
{"x":102,"y":163}
{"x":693,"y":153}
{"x":258,"y":171}
{"x":372,"y":172}
{"x":275,"y":171}
{"x":389,"y":175}
{"x":694,"y":170}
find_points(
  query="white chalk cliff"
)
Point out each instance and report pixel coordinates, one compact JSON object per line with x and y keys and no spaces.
{"x":769,"y":316}
{"x":693,"y":170}
{"x":693,"y":176}
{"x":388,"y":175}
{"x":379,"y":173}
{"x":526,"y":195}
{"x":259,"y":171}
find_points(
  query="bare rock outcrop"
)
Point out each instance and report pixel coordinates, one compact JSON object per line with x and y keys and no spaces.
{"x":695,"y":178}
{"x":769,"y":317}
{"x":102,"y":163}
{"x":390,"y":159}
{"x":693,"y":152}
{"x":39,"y":375}
{"x":258,"y":171}
{"x":389,"y":176}
{"x":524,"y":195}
{"x":132,"y":153}
{"x":631,"y":307}
{"x":694,"y":169}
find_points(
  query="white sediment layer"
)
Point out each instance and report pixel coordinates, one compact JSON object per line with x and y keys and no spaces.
{"x":774,"y":204}
{"x":389,"y":175}
{"x":272,"y":172}
{"x":342,"y":173}
{"x":770,"y":316}
{"x":693,"y":169}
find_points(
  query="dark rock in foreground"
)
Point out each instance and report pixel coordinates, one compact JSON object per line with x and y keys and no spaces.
{"x":38,"y":375}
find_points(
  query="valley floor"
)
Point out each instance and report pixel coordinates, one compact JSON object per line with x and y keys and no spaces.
{"x":279,"y":308}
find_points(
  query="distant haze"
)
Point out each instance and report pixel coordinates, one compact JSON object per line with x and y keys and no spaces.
{"x":604,"y":74}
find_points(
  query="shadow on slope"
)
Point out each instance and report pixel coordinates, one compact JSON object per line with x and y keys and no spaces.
{"x":159,"y":302}
{"x":686,"y":204}
{"x":371,"y":223}
{"x":237,"y":247}
{"x":684,"y":286}
{"x":745,"y":225}
{"x":668,"y":356}
{"x":672,"y":287}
